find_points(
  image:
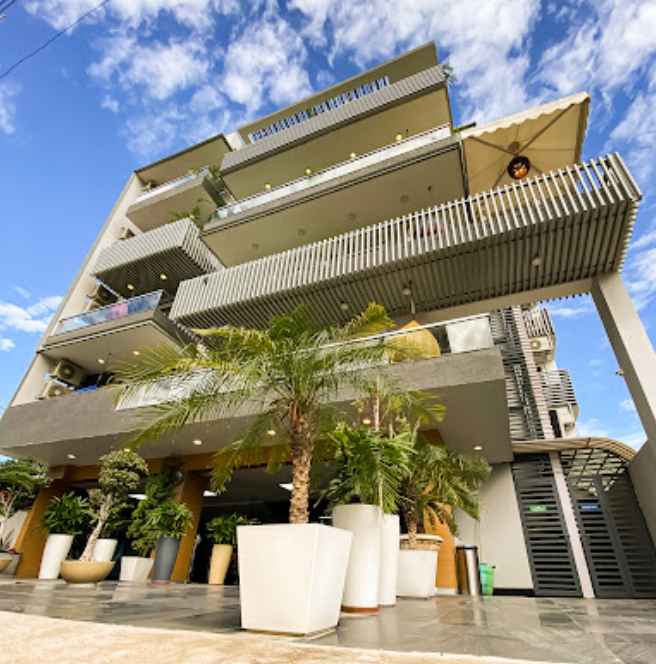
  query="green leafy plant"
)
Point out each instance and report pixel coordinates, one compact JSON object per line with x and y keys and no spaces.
{"x":369,"y":466}
{"x":121,"y":471}
{"x":170,"y":519}
{"x":223,"y":529}
{"x":440,"y":480}
{"x":287,"y":372}
{"x":159,"y":488}
{"x":20,"y":480}
{"x":68,"y":514}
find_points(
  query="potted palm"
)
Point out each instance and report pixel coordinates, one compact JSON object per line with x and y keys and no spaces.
{"x":66,"y":516}
{"x":20,"y":480}
{"x":439,"y":481}
{"x":141,"y":531}
{"x":369,"y":468}
{"x":170,"y":521}
{"x":286,"y":373}
{"x":222,"y":532}
{"x":121,"y":471}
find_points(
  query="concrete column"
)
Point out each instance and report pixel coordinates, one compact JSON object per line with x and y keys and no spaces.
{"x":635,"y":356}
{"x":191,"y":493}
{"x":32,"y":538}
{"x":572,"y":528}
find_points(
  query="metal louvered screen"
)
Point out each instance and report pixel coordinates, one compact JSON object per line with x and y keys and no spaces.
{"x":548,"y":548}
{"x":617,"y":544}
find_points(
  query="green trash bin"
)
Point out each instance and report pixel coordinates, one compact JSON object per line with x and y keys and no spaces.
{"x":486,"y":572}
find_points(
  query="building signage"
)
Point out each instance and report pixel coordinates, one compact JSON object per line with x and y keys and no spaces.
{"x":328,"y":105}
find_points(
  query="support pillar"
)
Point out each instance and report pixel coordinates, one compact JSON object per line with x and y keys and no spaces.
{"x":635,"y":356}
{"x":191,"y":493}
{"x":32,"y":538}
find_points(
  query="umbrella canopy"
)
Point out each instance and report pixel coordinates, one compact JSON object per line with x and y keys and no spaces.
{"x":549,"y":136}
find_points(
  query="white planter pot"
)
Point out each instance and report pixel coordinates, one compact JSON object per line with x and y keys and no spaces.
{"x":417,"y":569}
{"x":389,"y":560}
{"x":363,"y":575}
{"x":56,"y":550}
{"x":104,"y":549}
{"x":135,"y":569}
{"x":219,"y":564}
{"x":291,"y":576}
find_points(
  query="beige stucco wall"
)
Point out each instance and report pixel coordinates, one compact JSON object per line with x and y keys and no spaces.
{"x":499,"y":534}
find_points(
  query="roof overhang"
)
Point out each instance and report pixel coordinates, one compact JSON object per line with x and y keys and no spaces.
{"x":550,"y":135}
{"x":615,"y":447}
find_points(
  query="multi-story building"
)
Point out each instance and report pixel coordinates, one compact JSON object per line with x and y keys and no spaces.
{"x":367,"y":192}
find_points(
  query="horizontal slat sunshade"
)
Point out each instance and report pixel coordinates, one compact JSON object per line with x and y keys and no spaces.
{"x":556,"y":228}
{"x":174,"y":250}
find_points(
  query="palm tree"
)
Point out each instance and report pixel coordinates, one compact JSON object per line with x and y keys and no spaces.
{"x":287,"y":373}
{"x":440,"y":480}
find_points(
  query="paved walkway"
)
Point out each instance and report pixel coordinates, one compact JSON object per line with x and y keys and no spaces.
{"x":546,"y":630}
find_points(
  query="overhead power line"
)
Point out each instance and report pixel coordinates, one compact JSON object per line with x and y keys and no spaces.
{"x":47,"y":43}
{"x":4,"y":6}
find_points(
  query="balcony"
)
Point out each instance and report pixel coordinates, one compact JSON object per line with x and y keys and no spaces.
{"x":160,"y":258}
{"x":89,"y":424}
{"x":558,"y":389}
{"x":538,"y":323}
{"x":420,"y":171}
{"x":408,"y":106}
{"x":158,"y":205}
{"x":96,"y":339}
{"x":542,"y":237}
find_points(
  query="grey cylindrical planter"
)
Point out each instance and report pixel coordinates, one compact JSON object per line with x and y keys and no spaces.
{"x":165,"y":555}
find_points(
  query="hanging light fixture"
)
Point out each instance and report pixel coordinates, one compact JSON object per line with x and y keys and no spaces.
{"x":519,"y":167}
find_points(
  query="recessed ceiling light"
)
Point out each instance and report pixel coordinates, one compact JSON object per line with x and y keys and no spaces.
{"x":136,"y":353}
{"x":478,"y":448}
{"x":399,"y":137}
{"x":137,"y":496}
{"x":301,"y":232}
{"x":209,"y":494}
{"x":163,"y":277}
{"x":407,"y":291}
{"x":405,"y":198}
{"x":197,"y":441}
{"x":271,"y":432}
{"x":351,"y":216}
{"x":267,"y":186}
{"x":71,"y":456}
{"x":536,"y":262}
{"x":366,"y":421}
{"x":288,"y":486}
{"x":353,"y":155}
{"x":308,"y":171}
{"x":344,"y":306}
{"x":255,"y":246}
{"x":101,"y":361}
{"x":130,"y":287}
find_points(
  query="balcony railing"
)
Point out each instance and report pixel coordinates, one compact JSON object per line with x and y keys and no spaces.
{"x":201,"y":173}
{"x":558,"y":388}
{"x":538,"y":323}
{"x":347,"y":167}
{"x":112,"y":312}
{"x":556,"y":228}
{"x":438,"y":344}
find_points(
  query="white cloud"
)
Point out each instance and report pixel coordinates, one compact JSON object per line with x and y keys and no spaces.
{"x":573,"y":309}
{"x":6,"y":344}
{"x":484,"y":41}
{"x":266,"y":62}
{"x":23,"y":292}
{"x":110,"y":103}
{"x":628,"y":406}
{"x":153,"y":133}
{"x":591,"y":427}
{"x":8,"y":92}
{"x":159,"y":69}
{"x":34,"y":318}
{"x":640,"y":275}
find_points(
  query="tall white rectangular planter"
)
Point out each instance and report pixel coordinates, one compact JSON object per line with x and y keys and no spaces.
{"x":56,"y":550}
{"x":389,"y":560}
{"x":363,"y":575}
{"x":291,"y":576}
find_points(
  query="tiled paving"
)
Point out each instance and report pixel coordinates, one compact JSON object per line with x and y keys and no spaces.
{"x":551,"y":630}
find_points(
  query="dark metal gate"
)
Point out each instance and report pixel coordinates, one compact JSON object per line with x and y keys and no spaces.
{"x":618,"y":547}
{"x":549,"y":552}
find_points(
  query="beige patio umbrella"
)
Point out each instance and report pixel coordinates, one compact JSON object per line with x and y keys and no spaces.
{"x":541,"y":139}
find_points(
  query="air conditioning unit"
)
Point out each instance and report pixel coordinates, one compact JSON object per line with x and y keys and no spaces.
{"x":68,"y":373}
{"x":55,"y":388}
{"x":541,"y":345}
{"x":125,"y":233}
{"x":101,"y":295}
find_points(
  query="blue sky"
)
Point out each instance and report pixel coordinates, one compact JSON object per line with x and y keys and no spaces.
{"x":141,"y":78}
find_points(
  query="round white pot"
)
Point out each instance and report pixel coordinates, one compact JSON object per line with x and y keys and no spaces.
{"x":417,"y":569}
{"x":135,"y":569}
{"x":389,"y":560}
{"x":363,"y":573}
{"x":104,"y":549}
{"x":56,"y":550}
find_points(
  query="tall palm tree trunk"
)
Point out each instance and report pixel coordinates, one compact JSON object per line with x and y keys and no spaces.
{"x":301,"y":453}
{"x":411,"y":516}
